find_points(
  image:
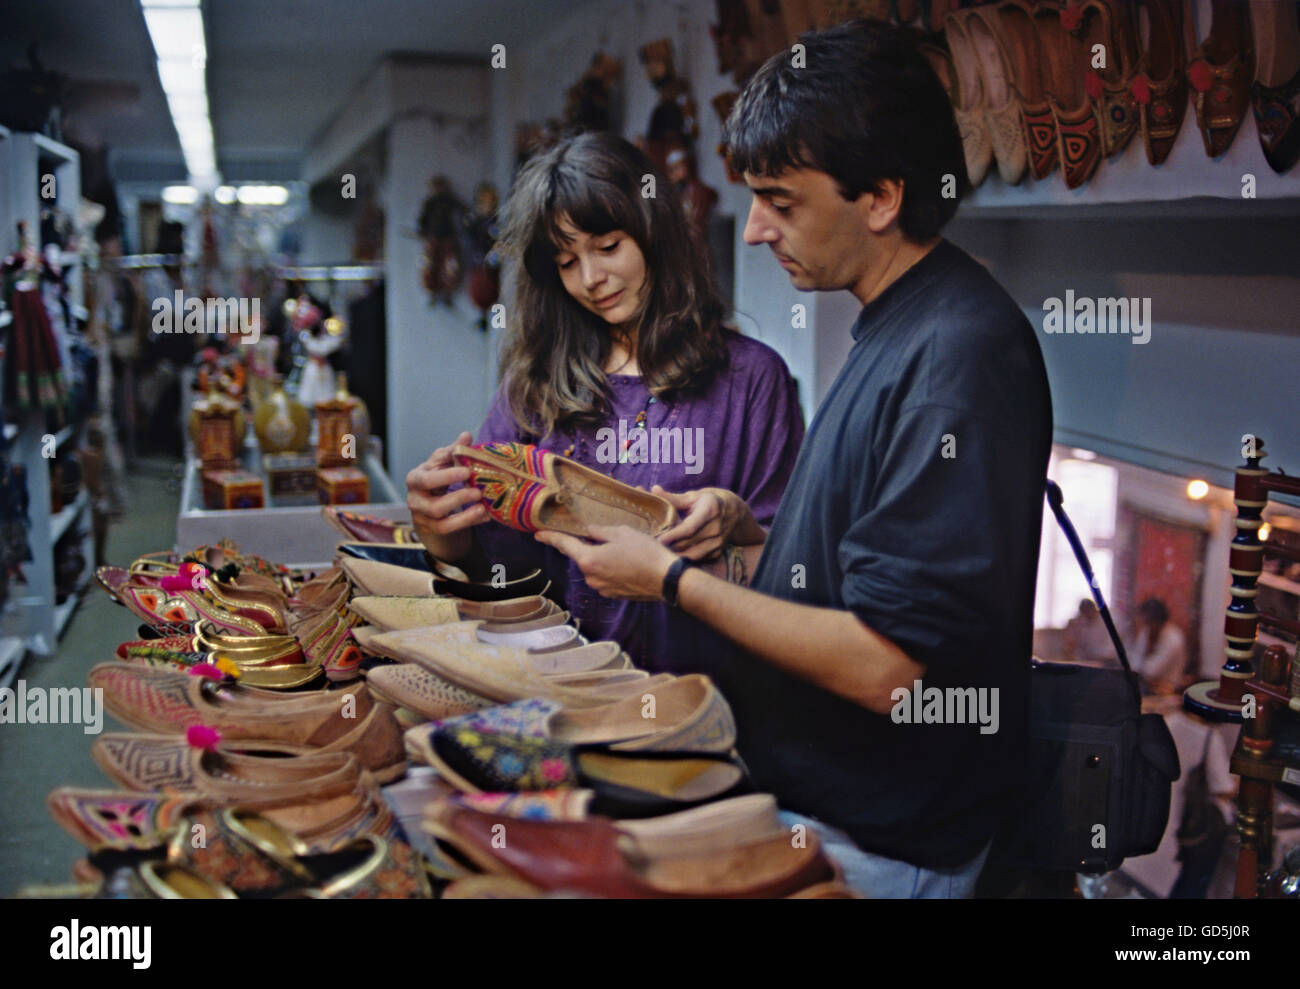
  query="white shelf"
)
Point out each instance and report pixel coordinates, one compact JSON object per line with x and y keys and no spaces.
{"x":63,"y":612}
{"x":51,"y":148}
{"x":11,"y":651}
{"x":60,"y":522}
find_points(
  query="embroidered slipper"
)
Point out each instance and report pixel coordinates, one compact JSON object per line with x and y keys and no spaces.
{"x":1065,"y":67}
{"x":530,"y":489}
{"x":173,"y":763}
{"x":1221,"y":74}
{"x":1160,"y":85}
{"x":132,"y":820}
{"x":391,"y":614}
{"x":500,"y":673}
{"x":687,"y":714}
{"x":595,"y":858}
{"x":1277,"y":82}
{"x":159,"y":701}
{"x":169,"y":763}
{"x":1108,"y":23}
{"x":369,"y":528}
{"x":1015,"y":23}
{"x":961,"y":81}
{"x":976,"y":29}
{"x":255,"y":857}
{"x":500,"y":670}
{"x":410,"y":686}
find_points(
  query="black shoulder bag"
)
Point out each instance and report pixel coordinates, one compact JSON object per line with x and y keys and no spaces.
{"x":1100,"y":771}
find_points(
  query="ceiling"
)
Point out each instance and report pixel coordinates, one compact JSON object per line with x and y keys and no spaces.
{"x":277,"y":70}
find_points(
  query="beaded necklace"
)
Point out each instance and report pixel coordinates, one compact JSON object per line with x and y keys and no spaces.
{"x":638,"y":423}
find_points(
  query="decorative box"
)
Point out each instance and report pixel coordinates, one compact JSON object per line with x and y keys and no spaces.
{"x":342,"y":428}
{"x":290,"y":473}
{"x":217,"y":431}
{"x":227,"y":489}
{"x":342,"y":486}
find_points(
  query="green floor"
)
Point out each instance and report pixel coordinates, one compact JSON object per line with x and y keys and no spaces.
{"x":36,"y":758}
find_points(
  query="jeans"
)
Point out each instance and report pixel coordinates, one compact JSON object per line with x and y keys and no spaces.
{"x":880,"y":878}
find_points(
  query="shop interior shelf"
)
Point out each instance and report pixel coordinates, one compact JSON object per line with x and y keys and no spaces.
{"x":60,"y":522}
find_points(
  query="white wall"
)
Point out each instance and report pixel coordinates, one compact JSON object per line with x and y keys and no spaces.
{"x":438,"y":367}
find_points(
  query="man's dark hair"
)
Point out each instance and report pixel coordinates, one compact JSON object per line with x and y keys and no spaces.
{"x":864,"y":106}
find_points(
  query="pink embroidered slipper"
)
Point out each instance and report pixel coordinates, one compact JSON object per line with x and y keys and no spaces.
{"x":530,"y":489}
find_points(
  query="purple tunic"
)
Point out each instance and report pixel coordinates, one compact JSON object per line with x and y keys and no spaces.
{"x":742,"y":434}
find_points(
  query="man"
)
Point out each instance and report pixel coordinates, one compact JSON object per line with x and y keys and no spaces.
{"x":903,"y":556}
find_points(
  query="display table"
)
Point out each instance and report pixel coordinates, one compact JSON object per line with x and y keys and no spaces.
{"x":290,"y":531}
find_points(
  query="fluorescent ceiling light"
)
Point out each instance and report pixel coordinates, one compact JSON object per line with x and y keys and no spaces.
{"x":176,"y":34}
{"x":263,"y":195}
{"x":225,"y":195}
{"x":176,"y":30}
{"x":182,"y":195}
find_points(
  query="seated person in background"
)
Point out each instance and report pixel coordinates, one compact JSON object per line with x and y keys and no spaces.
{"x":616,"y":341}
{"x":1086,"y":638}
{"x":1159,"y":652}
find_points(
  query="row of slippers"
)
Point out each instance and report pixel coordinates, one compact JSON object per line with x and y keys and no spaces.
{"x":564,"y":769}
{"x":310,"y":763}
{"x":1037,"y":84}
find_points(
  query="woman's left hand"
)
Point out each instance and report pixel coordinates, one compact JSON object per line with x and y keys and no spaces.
{"x":623,"y":564}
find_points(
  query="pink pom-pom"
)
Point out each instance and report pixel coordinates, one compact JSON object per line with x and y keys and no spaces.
{"x":206,"y":670}
{"x":1199,"y":75}
{"x":202,"y":736}
{"x":1093,"y":84}
{"x":1142,"y":90}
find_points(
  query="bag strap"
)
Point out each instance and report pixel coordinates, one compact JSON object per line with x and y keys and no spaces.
{"x":1056,"y":499}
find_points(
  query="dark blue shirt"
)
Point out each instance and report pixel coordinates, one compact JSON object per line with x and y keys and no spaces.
{"x":916,"y":503}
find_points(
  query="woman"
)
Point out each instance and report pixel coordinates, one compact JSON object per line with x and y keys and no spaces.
{"x":616,"y":333}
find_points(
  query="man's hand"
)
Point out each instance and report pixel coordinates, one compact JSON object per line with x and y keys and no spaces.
{"x":711,"y":518}
{"x":438,"y":517}
{"x":623,"y":564}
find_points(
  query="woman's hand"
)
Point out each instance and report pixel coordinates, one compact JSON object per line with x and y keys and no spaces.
{"x":711,"y":518}
{"x":443,"y":520}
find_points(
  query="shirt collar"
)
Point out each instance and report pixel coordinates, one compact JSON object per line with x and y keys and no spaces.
{"x":902,"y":286}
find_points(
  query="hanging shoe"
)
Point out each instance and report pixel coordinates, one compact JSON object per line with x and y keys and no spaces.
{"x":1015,"y":23}
{"x":1065,"y":64}
{"x":1107,"y":32}
{"x":976,"y":30}
{"x":1221,"y":74}
{"x":1277,"y":82}
{"x":1160,"y":85}
{"x":961,"y":81}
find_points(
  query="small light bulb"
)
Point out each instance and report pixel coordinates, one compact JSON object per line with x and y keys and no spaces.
{"x":1264,"y":530}
{"x":1196,"y":490}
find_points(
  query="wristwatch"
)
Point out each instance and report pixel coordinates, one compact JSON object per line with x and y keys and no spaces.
{"x":673,"y":577}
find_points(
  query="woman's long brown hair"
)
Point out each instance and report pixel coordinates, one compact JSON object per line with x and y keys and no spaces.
{"x":553,"y":361}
